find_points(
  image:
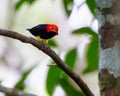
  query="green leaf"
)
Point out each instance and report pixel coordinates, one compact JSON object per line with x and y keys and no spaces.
{"x":52,"y":80}
{"x":21,"y":2}
{"x":92,"y":55}
{"x":67,"y":4}
{"x":31,"y":1}
{"x":70,"y":58}
{"x":52,"y":43}
{"x":92,"y":6}
{"x":92,"y":51}
{"x":85,"y":30}
{"x":20,"y":84}
{"x":69,"y":89}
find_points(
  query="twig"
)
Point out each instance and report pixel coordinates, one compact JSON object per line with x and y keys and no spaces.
{"x":46,"y":49}
{"x":14,"y":92}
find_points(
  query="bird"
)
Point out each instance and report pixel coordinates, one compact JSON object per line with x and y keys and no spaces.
{"x":44,"y":31}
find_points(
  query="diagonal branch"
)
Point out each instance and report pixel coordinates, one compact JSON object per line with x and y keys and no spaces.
{"x":14,"y":92}
{"x":46,"y":49}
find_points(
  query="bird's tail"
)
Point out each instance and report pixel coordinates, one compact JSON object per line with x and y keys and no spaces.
{"x":28,"y":29}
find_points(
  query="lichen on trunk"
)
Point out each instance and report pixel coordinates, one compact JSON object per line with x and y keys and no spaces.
{"x":108,"y":15}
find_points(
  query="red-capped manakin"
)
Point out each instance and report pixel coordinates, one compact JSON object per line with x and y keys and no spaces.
{"x":44,"y":31}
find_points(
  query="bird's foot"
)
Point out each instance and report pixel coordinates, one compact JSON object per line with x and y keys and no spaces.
{"x":45,"y":41}
{"x":38,"y":38}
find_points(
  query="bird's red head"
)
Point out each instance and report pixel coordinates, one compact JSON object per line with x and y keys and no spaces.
{"x":52,"y":28}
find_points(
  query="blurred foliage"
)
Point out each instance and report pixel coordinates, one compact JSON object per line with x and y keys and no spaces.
{"x":85,"y":30}
{"x":68,"y":6}
{"x":70,"y":58}
{"x":52,"y":80}
{"x":92,"y":55}
{"x":52,"y":43}
{"x":21,"y":2}
{"x":92,"y":50}
{"x":55,"y":76}
{"x":21,"y":83}
{"x":91,"y":5}
{"x":71,"y":55}
{"x":69,"y":89}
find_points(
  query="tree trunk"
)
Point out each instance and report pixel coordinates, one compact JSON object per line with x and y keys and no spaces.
{"x":108,"y":15}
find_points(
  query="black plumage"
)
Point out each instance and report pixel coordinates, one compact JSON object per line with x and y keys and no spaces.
{"x":40,"y":30}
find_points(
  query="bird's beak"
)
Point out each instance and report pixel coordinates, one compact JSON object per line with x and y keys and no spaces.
{"x":55,"y":32}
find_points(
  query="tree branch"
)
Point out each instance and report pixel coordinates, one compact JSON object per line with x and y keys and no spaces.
{"x":14,"y":92}
{"x":46,"y":49}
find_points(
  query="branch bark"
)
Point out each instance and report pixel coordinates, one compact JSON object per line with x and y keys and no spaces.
{"x":14,"y":92}
{"x":46,"y":49}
